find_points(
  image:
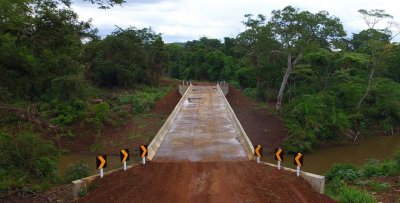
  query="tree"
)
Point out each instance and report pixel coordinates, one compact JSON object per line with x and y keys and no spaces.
{"x":127,"y":57}
{"x":375,"y":43}
{"x":300,"y":32}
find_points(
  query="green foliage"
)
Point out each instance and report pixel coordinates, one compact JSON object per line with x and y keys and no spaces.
{"x":63,"y":113}
{"x":345,"y":172}
{"x":379,"y":187}
{"x":26,"y":160}
{"x":127,"y":57}
{"x":142,"y":100}
{"x":98,"y":115}
{"x":374,"y":168}
{"x":338,"y":190}
{"x":251,"y":93}
{"x":353,"y":195}
{"x":312,"y":118}
{"x":77,"y":171}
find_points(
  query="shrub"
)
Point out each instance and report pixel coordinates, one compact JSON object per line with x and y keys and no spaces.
{"x":26,"y":160}
{"x":142,"y":100}
{"x":251,"y":93}
{"x":380,"y":187}
{"x":342,"y":172}
{"x":397,"y":159}
{"x":313,"y":118}
{"x":63,"y":113}
{"x":352,"y":195}
{"x":371,"y":168}
{"x":234,"y":84}
{"x":77,"y":171}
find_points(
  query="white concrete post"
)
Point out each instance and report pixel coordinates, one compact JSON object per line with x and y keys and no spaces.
{"x":124,"y":165}
{"x":298,"y":171}
{"x":143,"y":160}
{"x":101,"y":173}
{"x":258,"y":159}
{"x":279,"y":165}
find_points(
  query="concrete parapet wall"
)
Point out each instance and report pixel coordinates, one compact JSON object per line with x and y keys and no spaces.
{"x":158,"y":139}
{"x":224,"y":88}
{"x":182,"y":89}
{"x":317,"y":182}
{"x":82,"y":184}
{"x":243,"y":139}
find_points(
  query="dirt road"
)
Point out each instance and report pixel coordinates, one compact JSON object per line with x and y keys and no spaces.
{"x":203,"y":182}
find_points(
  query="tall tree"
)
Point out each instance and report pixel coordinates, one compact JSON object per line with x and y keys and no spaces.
{"x":299,"y":32}
{"x":376,"y":42}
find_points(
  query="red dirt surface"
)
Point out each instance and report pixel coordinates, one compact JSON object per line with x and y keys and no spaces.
{"x":202,"y":182}
{"x":262,"y":127}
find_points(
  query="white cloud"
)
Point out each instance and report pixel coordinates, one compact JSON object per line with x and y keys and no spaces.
{"x":189,"y":19}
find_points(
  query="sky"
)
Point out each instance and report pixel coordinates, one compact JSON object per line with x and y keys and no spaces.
{"x":186,"y":20}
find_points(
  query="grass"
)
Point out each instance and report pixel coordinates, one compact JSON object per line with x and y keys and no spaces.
{"x":347,"y":183}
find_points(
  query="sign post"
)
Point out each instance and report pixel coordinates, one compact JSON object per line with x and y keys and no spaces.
{"x":124,"y":156}
{"x":279,"y":156}
{"x":101,"y":162}
{"x":258,"y":152}
{"x":143,"y":153}
{"x":298,"y":161}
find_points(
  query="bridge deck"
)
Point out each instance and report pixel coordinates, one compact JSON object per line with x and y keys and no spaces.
{"x":202,"y":130}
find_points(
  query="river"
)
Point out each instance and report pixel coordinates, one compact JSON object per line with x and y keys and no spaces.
{"x":318,"y":161}
{"x":321,"y":160}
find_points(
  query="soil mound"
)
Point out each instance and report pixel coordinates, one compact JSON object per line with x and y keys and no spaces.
{"x":262,"y":127}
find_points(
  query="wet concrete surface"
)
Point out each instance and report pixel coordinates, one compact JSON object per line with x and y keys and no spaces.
{"x":202,"y":130}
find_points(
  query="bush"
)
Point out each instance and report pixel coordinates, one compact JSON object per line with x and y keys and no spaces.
{"x":26,"y":160}
{"x":63,"y":113}
{"x":371,"y":169}
{"x":77,"y":171}
{"x":234,"y":84}
{"x":251,"y":93}
{"x":352,"y":195}
{"x":342,"y":172}
{"x":374,"y":168}
{"x":313,"y":118}
{"x":142,"y":100}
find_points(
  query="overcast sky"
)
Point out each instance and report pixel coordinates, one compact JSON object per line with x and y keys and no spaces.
{"x":184,"y":20}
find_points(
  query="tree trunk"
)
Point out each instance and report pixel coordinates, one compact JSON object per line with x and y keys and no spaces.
{"x":290,"y":66}
{"x":284,"y":82}
{"x":371,"y":76}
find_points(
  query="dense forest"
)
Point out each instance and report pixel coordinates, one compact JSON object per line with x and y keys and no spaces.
{"x":325,"y":85}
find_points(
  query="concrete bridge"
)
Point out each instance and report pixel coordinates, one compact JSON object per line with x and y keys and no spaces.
{"x":203,"y":142}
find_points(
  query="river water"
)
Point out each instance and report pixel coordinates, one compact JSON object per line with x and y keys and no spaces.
{"x":318,"y":161}
{"x":321,"y":160}
{"x":113,"y":162}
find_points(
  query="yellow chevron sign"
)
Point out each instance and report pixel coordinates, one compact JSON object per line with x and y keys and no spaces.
{"x":143,"y":151}
{"x":124,"y":155}
{"x":258,"y":151}
{"x":101,"y":161}
{"x":298,"y":159}
{"x":279,"y":154}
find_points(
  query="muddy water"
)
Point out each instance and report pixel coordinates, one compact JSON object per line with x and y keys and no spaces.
{"x":113,"y":162}
{"x":321,"y":160}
